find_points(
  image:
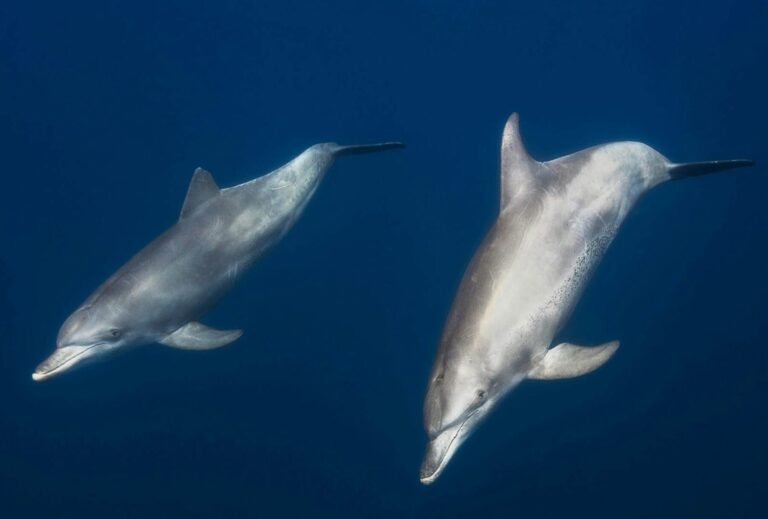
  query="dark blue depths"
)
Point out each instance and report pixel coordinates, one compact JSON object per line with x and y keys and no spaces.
{"x":106,"y":109}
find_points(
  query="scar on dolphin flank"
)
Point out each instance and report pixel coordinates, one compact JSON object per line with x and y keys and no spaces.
{"x":162,"y":292}
{"x":556,"y":219}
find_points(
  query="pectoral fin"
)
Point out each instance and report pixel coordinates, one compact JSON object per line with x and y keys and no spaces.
{"x":196,"y":336}
{"x":568,"y":360}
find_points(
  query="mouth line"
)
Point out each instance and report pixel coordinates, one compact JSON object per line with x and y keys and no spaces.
{"x":38,"y":375}
{"x":431,"y":477}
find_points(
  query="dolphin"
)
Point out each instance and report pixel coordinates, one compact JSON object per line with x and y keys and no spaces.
{"x":556,"y":220}
{"x":159,"y":295}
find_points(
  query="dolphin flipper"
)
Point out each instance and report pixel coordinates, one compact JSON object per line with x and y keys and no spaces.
{"x":196,"y":336}
{"x":568,"y":360}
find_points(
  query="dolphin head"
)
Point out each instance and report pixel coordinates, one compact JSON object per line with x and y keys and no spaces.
{"x":635,"y":165}
{"x":648,"y":168}
{"x":85,"y":336}
{"x":460,"y":396}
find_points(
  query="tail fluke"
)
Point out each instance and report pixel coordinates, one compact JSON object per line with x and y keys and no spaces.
{"x":694,"y":169}
{"x":366,"y":148}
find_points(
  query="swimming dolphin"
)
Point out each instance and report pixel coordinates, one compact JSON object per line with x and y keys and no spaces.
{"x":159,"y":295}
{"x":555,"y":222}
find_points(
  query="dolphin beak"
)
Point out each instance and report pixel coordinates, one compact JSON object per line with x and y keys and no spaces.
{"x":61,"y":360}
{"x":440,"y":450}
{"x":695,"y":169}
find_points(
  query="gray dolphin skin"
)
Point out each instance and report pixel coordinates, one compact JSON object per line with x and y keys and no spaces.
{"x":555,"y":222}
{"x":159,"y":295}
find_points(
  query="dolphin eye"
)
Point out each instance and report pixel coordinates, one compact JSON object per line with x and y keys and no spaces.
{"x":114,"y":333}
{"x":481,"y":394}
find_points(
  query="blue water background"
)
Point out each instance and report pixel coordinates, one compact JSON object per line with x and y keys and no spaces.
{"x":108,"y":106}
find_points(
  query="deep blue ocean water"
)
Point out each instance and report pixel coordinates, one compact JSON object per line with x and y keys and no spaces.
{"x":107,"y":107}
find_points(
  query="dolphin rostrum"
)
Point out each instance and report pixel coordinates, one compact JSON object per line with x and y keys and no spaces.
{"x":159,"y":295}
{"x":555,"y":222}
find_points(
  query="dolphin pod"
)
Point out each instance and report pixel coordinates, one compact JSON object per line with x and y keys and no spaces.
{"x":159,"y":295}
{"x":555,"y":222}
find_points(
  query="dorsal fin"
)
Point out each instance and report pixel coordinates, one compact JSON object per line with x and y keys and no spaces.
{"x":202,"y":188}
{"x":517,"y":167}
